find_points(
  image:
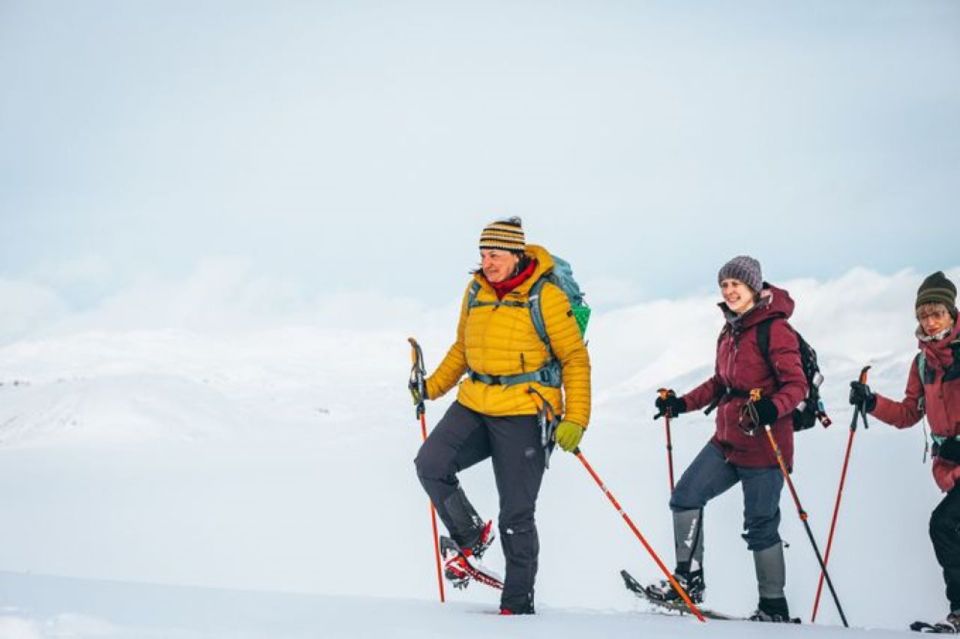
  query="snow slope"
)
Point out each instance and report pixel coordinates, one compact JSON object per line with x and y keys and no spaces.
{"x":279,"y":459}
{"x":59,"y":607}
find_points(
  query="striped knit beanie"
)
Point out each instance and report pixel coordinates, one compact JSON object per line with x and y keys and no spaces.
{"x":743,"y":268}
{"x":506,"y":235}
{"x":937,"y":289}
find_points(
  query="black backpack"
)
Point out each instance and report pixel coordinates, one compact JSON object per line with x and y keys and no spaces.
{"x":811,"y":409}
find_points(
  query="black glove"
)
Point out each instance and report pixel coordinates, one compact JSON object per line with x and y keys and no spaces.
{"x":861,"y":395}
{"x":670,"y":405}
{"x":753,"y":415}
{"x":949,"y":450}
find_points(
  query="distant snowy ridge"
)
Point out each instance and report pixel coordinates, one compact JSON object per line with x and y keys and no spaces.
{"x":858,"y":318}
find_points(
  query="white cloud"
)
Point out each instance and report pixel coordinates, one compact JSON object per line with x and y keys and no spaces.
{"x":613,"y":292}
{"x":850,"y":313}
{"x":26,"y":306}
{"x":19,"y":628}
{"x":82,"y":271}
{"x":225,"y":312}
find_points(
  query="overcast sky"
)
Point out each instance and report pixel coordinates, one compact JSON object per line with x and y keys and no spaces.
{"x":361,"y":146}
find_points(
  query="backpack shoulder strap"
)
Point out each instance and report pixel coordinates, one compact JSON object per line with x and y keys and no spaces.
{"x":763,"y":338}
{"x":763,"y":334}
{"x":534,"y":302}
{"x":921,"y":360}
{"x":536,"y":311}
{"x":953,"y":371}
{"x":472,"y":294}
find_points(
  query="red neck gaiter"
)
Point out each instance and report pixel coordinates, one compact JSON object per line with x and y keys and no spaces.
{"x":940,"y":353}
{"x":504,"y":287}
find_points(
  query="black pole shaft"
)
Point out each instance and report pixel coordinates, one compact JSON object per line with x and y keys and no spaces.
{"x":823,"y":567}
{"x":803,"y":517}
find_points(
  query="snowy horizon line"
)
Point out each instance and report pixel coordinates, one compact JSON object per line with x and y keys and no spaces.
{"x":226,"y":293}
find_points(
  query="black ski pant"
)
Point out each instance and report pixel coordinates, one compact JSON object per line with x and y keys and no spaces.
{"x":945,"y":534}
{"x":461,"y":439}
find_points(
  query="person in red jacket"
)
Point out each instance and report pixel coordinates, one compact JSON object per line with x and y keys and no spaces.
{"x":933,"y":390}
{"x":739,"y":451}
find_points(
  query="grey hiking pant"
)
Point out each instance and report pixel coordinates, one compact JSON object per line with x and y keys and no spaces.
{"x":710,"y":475}
{"x":461,"y":439}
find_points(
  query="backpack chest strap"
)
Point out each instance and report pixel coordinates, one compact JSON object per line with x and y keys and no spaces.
{"x":548,"y":375}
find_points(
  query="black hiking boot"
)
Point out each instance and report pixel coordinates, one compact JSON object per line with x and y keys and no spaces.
{"x":773,"y":610}
{"x":692,"y":582}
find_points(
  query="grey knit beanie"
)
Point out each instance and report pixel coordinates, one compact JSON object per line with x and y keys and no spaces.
{"x":743,"y":268}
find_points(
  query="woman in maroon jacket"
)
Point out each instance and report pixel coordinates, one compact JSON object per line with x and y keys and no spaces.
{"x":739,"y":451}
{"x":933,"y":389}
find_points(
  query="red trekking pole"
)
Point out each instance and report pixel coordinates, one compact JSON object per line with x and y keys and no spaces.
{"x":417,"y":374}
{"x":663,"y":392}
{"x":613,"y":500}
{"x":858,"y":411}
{"x":755,"y":397}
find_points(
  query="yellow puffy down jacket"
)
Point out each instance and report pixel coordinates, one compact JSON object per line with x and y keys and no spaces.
{"x":501,"y":340}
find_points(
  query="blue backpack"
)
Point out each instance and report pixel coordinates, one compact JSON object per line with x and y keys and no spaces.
{"x":560,"y":275}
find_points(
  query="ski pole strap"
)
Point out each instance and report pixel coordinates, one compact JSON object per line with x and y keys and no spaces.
{"x":727,"y":394}
{"x":548,"y":425}
{"x":863,"y":416}
{"x":418,"y":390}
{"x":418,"y":373}
{"x":547,"y":417}
{"x":549,"y":375}
{"x":547,"y":420}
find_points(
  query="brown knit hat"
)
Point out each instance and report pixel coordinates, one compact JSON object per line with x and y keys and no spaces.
{"x":506,"y":235}
{"x":937,"y":289}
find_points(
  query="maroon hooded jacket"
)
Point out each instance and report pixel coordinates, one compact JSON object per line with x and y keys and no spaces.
{"x":742,"y":366}
{"x":941,"y":403}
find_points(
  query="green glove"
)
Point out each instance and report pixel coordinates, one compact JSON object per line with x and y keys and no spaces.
{"x":568,"y":435}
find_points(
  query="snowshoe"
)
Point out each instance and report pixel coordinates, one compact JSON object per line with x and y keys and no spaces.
{"x":692,"y":582}
{"x":461,"y":566}
{"x":949,"y":626}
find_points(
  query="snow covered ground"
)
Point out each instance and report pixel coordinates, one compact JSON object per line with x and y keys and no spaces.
{"x":139,"y":611}
{"x":233,"y":468}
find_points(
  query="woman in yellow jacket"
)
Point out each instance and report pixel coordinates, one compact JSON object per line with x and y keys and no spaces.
{"x":495,"y":414}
